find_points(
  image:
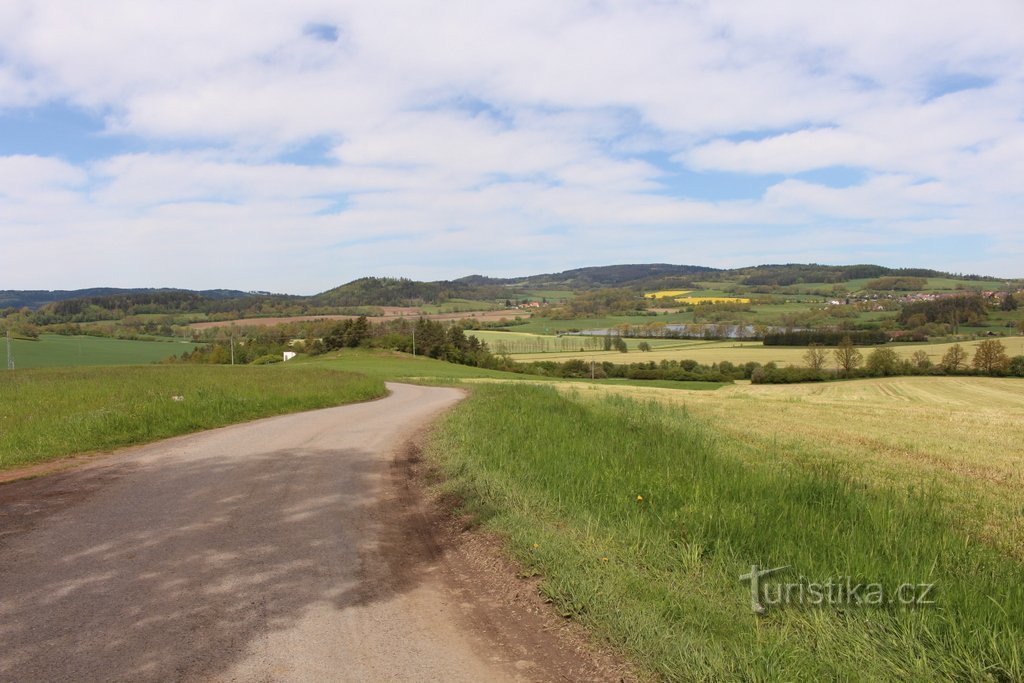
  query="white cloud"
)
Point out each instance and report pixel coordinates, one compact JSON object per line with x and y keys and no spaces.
{"x":548,"y":133}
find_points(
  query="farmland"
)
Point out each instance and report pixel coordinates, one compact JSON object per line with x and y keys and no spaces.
{"x":420,"y":369}
{"x":637,"y":498}
{"x":707,"y":352}
{"x":53,"y":350}
{"x":519,"y":342}
{"x":641,"y":513}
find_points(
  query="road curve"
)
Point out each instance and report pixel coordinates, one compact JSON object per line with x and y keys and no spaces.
{"x":247,"y":553}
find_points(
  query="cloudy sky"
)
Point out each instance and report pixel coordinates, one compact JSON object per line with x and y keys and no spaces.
{"x":293,"y":146}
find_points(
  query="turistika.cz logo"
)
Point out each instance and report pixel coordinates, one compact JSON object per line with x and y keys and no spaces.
{"x":833,"y":592}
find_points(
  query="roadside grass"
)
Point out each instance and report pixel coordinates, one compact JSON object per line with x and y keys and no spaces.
{"x":640,"y":517}
{"x":962,"y":434}
{"x":54,"y":350}
{"x":48,"y":413}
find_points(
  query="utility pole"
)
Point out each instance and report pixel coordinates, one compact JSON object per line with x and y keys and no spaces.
{"x":232,"y":349}
{"x":10,"y":356}
{"x":414,"y":340}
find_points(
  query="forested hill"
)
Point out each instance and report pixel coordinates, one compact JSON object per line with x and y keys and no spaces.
{"x":598,"y":276}
{"x":98,"y":303}
{"x":36,"y":298}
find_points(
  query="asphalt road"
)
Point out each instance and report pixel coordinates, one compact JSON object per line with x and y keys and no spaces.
{"x":256,"y":552}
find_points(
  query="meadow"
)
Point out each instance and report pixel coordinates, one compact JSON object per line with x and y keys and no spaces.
{"x":639,"y":516}
{"x":47,"y":413}
{"x":392,"y":365}
{"x":53,"y":350}
{"x":525,"y":342}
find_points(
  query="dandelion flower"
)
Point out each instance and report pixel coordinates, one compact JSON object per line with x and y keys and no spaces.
{"x":639,"y":499}
{"x":536,"y":545}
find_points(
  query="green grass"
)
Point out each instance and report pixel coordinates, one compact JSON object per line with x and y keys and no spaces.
{"x":47,"y":413}
{"x":560,"y":476}
{"x":394,"y":365}
{"x":391,"y":365}
{"x":552,"y":295}
{"x":52,"y":350}
{"x":500,"y":341}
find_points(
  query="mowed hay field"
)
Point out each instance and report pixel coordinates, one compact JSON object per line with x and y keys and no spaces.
{"x":963,"y":434}
{"x":639,"y":509}
{"x":708,"y":352}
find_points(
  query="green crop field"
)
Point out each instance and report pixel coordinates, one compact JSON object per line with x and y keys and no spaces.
{"x":52,"y":350}
{"x":640,"y":516}
{"x":46,"y":413}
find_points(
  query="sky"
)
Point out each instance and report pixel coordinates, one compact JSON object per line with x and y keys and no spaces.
{"x":294,"y":146}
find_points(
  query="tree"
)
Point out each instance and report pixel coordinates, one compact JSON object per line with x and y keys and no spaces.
{"x":990,"y":357}
{"x":883,"y":362}
{"x":815,"y":357}
{"x":620,"y":345}
{"x":643,"y":346}
{"x":921,"y":359}
{"x":1009,"y":303}
{"x":1016,"y":366}
{"x":955,"y":359}
{"x":847,"y":357}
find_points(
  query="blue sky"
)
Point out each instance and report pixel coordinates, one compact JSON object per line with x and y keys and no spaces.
{"x":295,"y":146}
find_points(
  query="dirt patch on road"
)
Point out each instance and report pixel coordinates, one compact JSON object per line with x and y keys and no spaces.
{"x":502,"y":608}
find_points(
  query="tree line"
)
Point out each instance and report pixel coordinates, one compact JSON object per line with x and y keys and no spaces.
{"x":847,"y":362}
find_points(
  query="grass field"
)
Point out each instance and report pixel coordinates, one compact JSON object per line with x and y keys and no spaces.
{"x":744,"y":352}
{"x":527,"y":342}
{"x":399,"y":366}
{"x":52,"y":351}
{"x":390,"y":365}
{"x":538,"y":325}
{"x":46,"y":413}
{"x":552,"y":295}
{"x":640,"y":516}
